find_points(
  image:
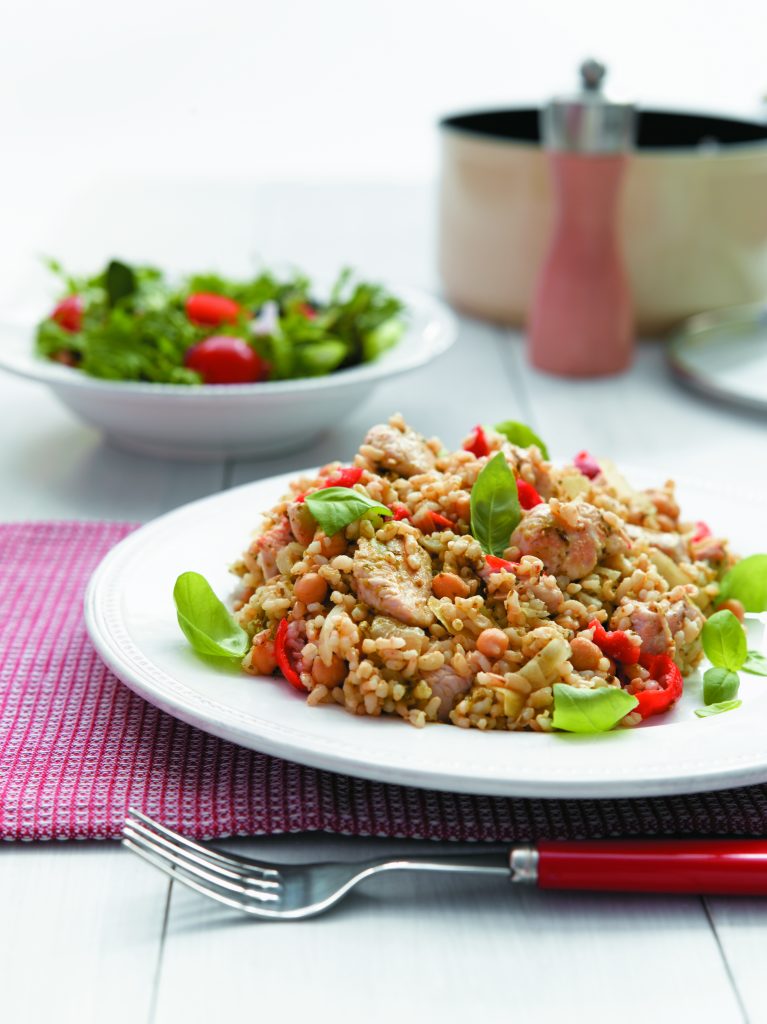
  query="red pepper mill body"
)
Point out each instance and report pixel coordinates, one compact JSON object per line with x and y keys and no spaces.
{"x":581,"y":323}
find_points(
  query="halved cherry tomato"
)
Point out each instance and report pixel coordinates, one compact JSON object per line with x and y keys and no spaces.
{"x":587,"y":464}
{"x":69,"y":313}
{"x":528,"y":496}
{"x":283,"y":657}
{"x":477,"y":443}
{"x":208,"y":310}
{"x":222,"y":359}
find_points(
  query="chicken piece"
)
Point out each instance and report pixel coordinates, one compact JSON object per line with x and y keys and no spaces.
{"x":403,"y":451}
{"x":446,"y":684}
{"x":395,"y":579}
{"x":384,"y":626}
{"x":269,"y":545}
{"x":647,"y":622}
{"x":657,"y":628}
{"x":302,"y":522}
{"x":568,"y":537}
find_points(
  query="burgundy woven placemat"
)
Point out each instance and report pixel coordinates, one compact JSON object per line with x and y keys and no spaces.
{"x":77,"y":748}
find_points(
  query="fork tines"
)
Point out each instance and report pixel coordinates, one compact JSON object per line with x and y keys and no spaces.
{"x":243,"y":885}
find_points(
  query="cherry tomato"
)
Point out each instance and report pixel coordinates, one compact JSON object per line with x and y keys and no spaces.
{"x":69,"y":313}
{"x":222,"y":359}
{"x":208,"y":310}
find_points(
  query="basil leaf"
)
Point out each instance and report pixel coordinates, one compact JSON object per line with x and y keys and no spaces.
{"x":335,"y":507}
{"x":755,"y":663}
{"x":719,"y":684}
{"x":119,"y":282}
{"x":580,"y":710}
{"x":495,"y":509}
{"x":521,"y":435}
{"x":717,"y":709}
{"x":724,"y":641}
{"x":747,"y":583}
{"x":205,"y":621}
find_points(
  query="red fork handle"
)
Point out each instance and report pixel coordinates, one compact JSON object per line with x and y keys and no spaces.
{"x":724,"y":866}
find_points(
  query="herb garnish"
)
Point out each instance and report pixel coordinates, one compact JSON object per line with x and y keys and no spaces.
{"x":582,"y":710}
{"x":205,"y":621}
{"x":495,"y":510}
{"x":335,"y":507}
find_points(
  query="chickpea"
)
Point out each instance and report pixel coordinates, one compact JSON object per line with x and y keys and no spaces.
{"x":329,"y":675}
{"x":493,"y":643}
{"x":262,"y":658}
{"x":335,"y":545}
{"x":734,"y":606}
{"x":447,"y":584}
{"x":311,"y":588}
{"x":585,"y":654}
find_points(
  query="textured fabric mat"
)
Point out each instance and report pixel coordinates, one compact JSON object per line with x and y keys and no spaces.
{"x":77,"y":748}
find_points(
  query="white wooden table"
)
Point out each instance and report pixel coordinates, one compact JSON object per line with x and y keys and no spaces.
{"x":89,"y":933}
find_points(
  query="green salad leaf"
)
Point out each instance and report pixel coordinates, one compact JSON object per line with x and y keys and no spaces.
{"x":135,"y":326}
{"x":747,"y":582}
{"x":119,"y":281}
{"x":755,"y":663}
{"x":581,"y":710}
{"x":495,"y":510}
{"x":521,"y":435}
{"x":205,"y":621}
{"x":724,"y":641}
{"x":335,"y":507}
{"x":719,"y":684}
{"x":717,"y":709}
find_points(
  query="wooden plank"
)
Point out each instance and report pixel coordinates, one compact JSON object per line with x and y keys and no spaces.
{"x":81,"y":934}
{"x":421,"y":947}
{"x":740,"y":924}
{"x":642,"y":417}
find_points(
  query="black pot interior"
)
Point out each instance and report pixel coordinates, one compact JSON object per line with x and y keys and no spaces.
{"x":658,"y":129}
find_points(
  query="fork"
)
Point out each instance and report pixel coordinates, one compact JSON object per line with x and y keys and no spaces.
{"x":292,"y":891}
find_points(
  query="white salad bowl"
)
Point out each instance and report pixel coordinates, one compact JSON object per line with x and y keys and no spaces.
{"x":226,"y":420}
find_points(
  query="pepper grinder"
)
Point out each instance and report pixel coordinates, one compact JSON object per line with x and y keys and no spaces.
{"x":581,"y":323}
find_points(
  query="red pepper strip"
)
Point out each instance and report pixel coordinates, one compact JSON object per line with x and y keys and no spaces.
{"x":346,"y":477}
{"x":528,"y":496}
{"x":299,"y":498}
{"x":477,"y":443}
{"x":441,"y":522}
{"x":663,"y":670}
{"x":496,"y":564}
{"x":615,"y":644}
{"x":283,"y":660}
{"x":587,"y":464}
{"x":400,"y":511}
{"x":702,"y":530}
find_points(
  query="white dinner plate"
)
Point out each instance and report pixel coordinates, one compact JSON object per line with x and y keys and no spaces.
{"x":131,"y":619}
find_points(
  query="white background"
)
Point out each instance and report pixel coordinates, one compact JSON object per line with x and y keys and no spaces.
{"x":337,"y":90}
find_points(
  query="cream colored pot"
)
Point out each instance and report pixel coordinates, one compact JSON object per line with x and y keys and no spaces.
{"x":694,"y":214}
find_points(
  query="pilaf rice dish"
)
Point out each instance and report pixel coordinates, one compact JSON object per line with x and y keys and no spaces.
{"x":403,"y":611}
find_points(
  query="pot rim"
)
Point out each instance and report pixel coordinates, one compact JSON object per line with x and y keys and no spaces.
{"x":447,"y":127}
